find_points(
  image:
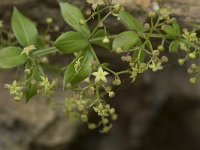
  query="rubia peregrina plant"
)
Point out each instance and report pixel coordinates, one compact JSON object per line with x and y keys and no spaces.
{"x":86,"y":76}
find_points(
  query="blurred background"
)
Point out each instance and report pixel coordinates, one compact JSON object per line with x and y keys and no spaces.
{"x":160,"y":111}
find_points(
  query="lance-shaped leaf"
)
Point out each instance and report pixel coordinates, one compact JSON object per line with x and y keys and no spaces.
{"x":101,"y":34}
{"x":173,"y":47}
{"x":72,"y":16}
{"x":11,"y":57}
{"x":71,"y":42}
{"x":176,"y":26}
{"x":130,"y":22}
{"x":24,"y":29}
{"x":139,"y":55}
{"x":79,"y":69}
{"x":125,"y":40}
{"x":170,"y":31}
{"x":31,"y":88}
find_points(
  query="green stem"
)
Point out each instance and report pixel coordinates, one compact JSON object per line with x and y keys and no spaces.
{"x":101,"y":38}
{"x":109,"y":70}
{"x":153,"y":35}
{"x":123,"y":72}
{"x":96,"y":28}
{"x":94,"y":55}
{"x":44,"y":52}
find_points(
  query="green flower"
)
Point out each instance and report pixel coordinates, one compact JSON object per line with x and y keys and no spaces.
{"x":164,"y":13}
{"x":28,"y":49}
{"x":100,"y":75}
{"x":15,"y":89}
{"x":191,"y":37}
{"x":46,"y":85}
{"x":101,"y":111}
{"x":156,"y":66}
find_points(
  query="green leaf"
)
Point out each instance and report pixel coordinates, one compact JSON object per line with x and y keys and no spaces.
{"x":101,"y":34}
{"x":126,"y":40}
{"x":72,"y":16}
{"x":170,"y":31}
{"x":11,"y":57}
{"x":173,"y":47}
{"x":130,"y":22}
{"x":31,"y":89}
{"x":139,"y":55}
{"x":176,"y":26}
{"x":71,"y":42}
{"x":75,"y":74}
{"x":24,"y":29}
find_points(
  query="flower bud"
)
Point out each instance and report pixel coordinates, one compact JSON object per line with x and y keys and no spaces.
{"x":123,"y":58}
{"x":190,"y":71}
{"x":164,"y":59}
{"x":87,"y":80}
{"x":105,"y":120}
{"x":188,"y":20}
{"x":49,"y":20}
{"x":194,"y":66}
{"x":152,"y":14}
{"x":147,"y":26}
{"x":128,"y":58}
{"x":111,"y":94}
{"x":91,"y":126}
{"x":193,"y":80}
{"x":114,"y":117}
{"x":84,"y":118}
{"x":68,"y":86}
{"x":156,"y":53}
{"x":44,"y":60}
{"x":91,"y":91}
{"x":161,"y":48}
{"x":112,"y":111}
{"x":118,"y":50}
{"x":192,"y":55}
{"x":181,"y":62}
{"x":101,"y":25}
{"x":82,"y":22}
{"x":27,"y":71}
{"x":88,"y":12}
{"x":57,"y":28}
{"x":106,"y":40}
{"x":117,"y":82}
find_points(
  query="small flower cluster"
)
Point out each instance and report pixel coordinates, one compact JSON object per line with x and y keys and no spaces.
{"x":43,"y":87}
{"x":87,"y":98}
{"x":16,"y":89}
{"x":27,"y":50}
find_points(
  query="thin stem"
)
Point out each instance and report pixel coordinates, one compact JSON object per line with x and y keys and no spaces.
{"x":96,"y":28}
{"x":94,"y":55}
{"x":109,"y":70}
{"x":123,"y":72}
{"x":44,"y":52}
{"x":101,"y":38}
